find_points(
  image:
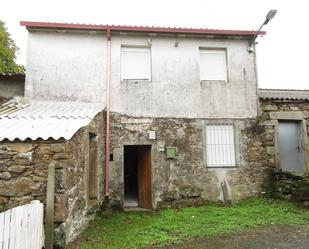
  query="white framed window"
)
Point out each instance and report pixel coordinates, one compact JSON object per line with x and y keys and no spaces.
{"x":135,"y":63}
{"x":213,"y":64}
{"x":220,"y":145}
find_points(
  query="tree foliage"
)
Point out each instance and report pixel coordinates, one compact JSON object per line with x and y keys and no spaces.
{"x":8,"y":50}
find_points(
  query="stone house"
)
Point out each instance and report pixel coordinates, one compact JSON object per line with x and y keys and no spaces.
{"x":182,"y":122}
{"x":68,"y":134}
{"x":181,"y":107}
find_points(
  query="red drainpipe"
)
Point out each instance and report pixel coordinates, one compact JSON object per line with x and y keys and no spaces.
{"x":107,"y":141}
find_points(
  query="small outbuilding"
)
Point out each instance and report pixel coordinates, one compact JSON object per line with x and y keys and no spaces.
{"x":12,"y":84}
{"x":285,"y":118}
{"x":68,"y":134}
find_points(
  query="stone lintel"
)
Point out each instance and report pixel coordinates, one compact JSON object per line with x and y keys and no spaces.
{"x":127,"y":120}
{"x":294,"y":115}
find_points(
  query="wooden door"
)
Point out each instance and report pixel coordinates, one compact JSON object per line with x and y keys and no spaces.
{"x":144,"y":177}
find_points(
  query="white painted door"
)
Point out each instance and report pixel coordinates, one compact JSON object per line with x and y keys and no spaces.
{"x":290,"y":148}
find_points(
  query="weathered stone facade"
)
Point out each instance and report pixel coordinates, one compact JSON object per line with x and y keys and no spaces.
{"x":274,"y":110}
{"x":285,"y":185}
{"x":289,"y":186}
{"x":23,"y":177}
{"x":186,"y":179}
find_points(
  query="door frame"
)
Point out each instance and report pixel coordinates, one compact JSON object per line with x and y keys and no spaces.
{"x":152,"y":149}
{"x":291,"y":116}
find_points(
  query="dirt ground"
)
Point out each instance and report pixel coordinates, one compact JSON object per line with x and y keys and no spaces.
{"x":270,"y":237}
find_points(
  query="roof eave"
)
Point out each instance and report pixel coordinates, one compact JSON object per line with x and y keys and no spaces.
{"x":12,"y":76}
{"x":73,"y":26}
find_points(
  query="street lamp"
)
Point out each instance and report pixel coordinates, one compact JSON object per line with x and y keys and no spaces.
{"x":270,"y":15}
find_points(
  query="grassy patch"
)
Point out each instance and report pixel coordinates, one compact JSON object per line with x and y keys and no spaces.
{"x":134,"y":230}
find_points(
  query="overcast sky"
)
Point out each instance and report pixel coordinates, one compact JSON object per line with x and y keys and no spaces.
{"x":282,"y":53}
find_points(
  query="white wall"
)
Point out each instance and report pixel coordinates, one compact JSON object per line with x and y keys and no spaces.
{"x":63,"y":66}
{"x":176,"y":90}
{"x":73,"y":66}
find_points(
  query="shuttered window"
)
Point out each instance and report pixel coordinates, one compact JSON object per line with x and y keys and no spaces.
{"x":213,"y":64}
{"x":220,"y":148}
{"x":135,"y":63}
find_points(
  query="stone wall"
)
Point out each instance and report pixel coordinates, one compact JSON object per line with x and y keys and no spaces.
{"x":23,"y":167}
{"x":80,"y":208}
{"x":186,"y":180}
{"x":285,"y":185}
{"x":289,"y":186}
{"x":273,"y":110}
{"x":23,"y":177}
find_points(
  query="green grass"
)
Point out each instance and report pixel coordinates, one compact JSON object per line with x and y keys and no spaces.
{"x":135,"y":230}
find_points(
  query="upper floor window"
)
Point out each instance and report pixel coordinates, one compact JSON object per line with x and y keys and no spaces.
{"x":213,"y":64}
{"x":135,"y":63}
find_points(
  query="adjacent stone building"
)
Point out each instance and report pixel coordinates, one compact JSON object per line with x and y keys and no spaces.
{"x":284,"y":116}
{"x":68,"y":135}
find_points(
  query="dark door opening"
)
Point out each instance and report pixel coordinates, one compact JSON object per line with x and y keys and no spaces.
{"x":137,"y":176}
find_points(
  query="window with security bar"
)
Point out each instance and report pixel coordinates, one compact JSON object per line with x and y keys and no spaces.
{"x":220,"y":147}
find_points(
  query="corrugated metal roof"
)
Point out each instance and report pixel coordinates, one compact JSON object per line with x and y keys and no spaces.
{"x":53,"y":25}
{"x":3,"y":100}
{"x":44,"y":120}
{"x":283,"y":94}
{"x":12,"y":105}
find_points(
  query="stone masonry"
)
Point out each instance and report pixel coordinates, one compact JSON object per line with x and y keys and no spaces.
{"x":182,"y":181}
{"x":285,"y":185}
{"x":186,"y":180}
{"x":23,"y":177}
{"x":289,"y":186}
{"x":272,"y":110}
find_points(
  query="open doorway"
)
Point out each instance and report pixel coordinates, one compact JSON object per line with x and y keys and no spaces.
{"x":137,"y":176}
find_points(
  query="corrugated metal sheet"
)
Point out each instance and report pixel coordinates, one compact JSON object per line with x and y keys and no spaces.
{"x":3,"y":100}
{"x":283,"y":94}
{"x":44,"y":120}
{"x":12,"y":105}
{"x":139,"y":28}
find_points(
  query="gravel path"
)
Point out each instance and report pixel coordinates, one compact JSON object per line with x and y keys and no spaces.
{"x":270,"y":237}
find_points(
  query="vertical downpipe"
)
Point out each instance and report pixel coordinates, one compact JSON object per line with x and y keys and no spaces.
{"x":256,"y":81}
{"x":107,"y":152}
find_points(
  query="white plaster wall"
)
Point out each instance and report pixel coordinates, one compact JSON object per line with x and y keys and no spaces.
{"x":73,"y":66}
{"x":176,"y":89}
{"x":66,"y":66}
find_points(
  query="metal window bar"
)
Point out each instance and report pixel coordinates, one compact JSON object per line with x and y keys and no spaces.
{"x":220,"y":148}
